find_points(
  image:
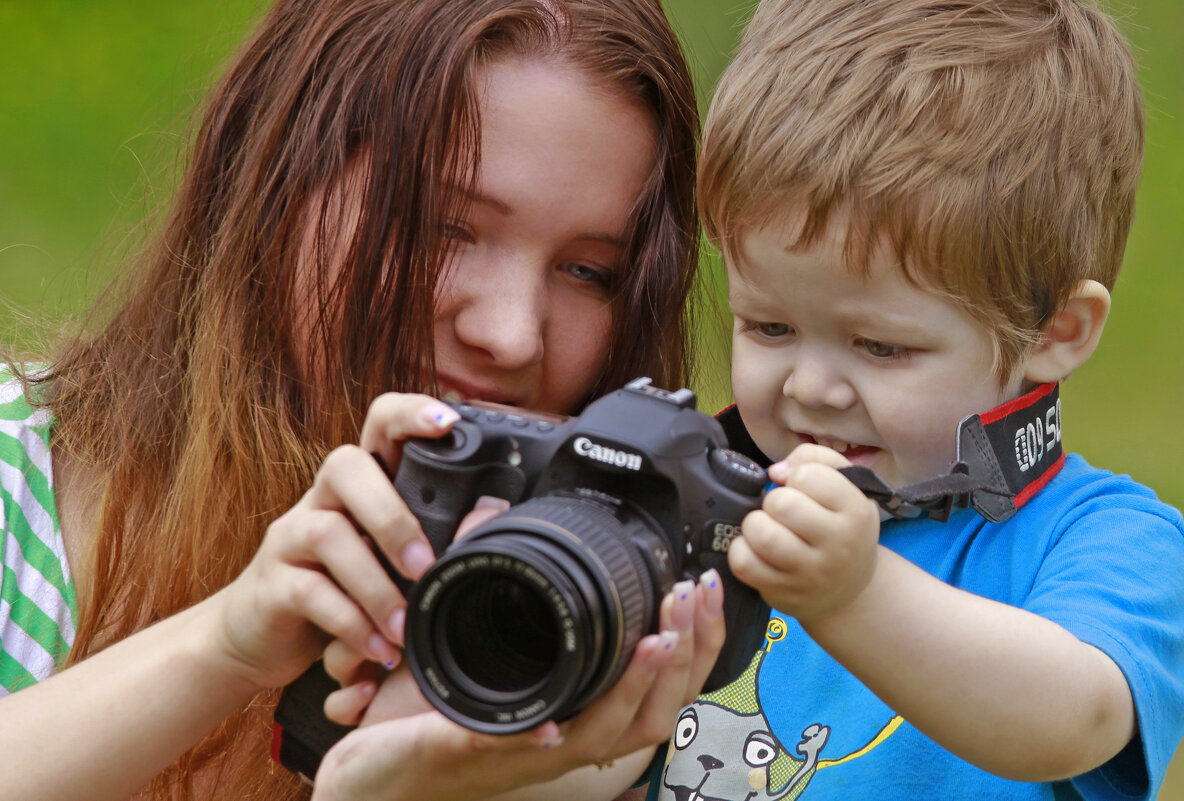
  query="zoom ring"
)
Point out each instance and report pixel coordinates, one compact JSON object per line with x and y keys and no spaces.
{"x":601,"y":533}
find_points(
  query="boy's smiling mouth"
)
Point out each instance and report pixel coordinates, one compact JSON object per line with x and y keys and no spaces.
{"x":850,"y":450}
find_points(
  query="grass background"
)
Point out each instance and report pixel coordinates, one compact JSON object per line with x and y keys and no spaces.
{"x":95,"y":102}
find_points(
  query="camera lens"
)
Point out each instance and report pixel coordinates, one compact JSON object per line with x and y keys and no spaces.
{"x":501,"y":633}
{"x":532,"y":615}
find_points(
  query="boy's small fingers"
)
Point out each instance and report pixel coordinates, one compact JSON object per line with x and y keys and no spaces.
{"x":827,"y":487}
{"x":793,"y":519}
{"x":809,"y":453}
{"x":773,"y":537}
{"x":751,"y":568}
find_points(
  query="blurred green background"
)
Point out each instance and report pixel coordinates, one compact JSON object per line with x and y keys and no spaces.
{"x":95,"y":104}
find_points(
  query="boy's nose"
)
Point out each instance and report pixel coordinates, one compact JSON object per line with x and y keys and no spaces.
{"x":815,"y":382}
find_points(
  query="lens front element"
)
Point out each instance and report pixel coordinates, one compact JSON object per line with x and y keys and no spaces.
{"x":531,"y":616}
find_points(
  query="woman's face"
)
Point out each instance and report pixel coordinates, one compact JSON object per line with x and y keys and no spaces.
{"x":523,"y":314}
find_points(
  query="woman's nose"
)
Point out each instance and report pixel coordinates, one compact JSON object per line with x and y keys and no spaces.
{"x":816,"y":381}
{"x":504,"y":314}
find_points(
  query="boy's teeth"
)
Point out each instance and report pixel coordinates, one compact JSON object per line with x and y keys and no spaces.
{"x":453,"y":395}
{"x":834,"y":445}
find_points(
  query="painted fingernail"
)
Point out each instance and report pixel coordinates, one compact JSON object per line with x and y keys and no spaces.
{"x":713,"y":590}
{"x":396,"y":624}
{"x":416,"y":557}
{"x":658,"y":657}
{"x":439,"y":415}
{"x":382,"y":651}
{"x":548,"y":735}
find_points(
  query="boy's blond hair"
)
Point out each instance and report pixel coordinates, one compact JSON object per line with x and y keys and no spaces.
{"x":997,"y":144}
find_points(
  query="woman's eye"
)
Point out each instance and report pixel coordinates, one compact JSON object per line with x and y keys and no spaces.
{"x":454,"y":232}
{"x":882,"y":350}
{"x":588,"y":274}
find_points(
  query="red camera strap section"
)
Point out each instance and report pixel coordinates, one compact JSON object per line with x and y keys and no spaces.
{"x":1021,"y":442}
{"x":1005,"y":456}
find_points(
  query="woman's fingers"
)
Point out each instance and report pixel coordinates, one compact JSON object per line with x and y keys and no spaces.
{"x":625,"y":718}
{"x":695,"y":613}
{"x":638,"y":711}
{"x":393,"y":417}
{"x":347,"y":665}
{"x":351,"y":481}
{"x":709,"y":629}
{"x":486,"y":508}
{"x":347,"y":705}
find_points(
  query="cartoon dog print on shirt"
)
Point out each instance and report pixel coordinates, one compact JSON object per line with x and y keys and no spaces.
{"x":724,"y":748}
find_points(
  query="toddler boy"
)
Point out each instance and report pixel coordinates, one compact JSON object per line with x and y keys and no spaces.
{"x":923,"y":207}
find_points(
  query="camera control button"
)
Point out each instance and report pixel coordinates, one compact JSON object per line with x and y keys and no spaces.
{"x":519,"y":422}
{"x":544,"y":426}
{"x":495,"y":417}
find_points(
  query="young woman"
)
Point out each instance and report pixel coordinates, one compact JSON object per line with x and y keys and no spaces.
{"x":490,"y":198}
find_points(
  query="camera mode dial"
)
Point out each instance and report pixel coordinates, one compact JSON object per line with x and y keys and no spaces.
{"x":736,"y":471}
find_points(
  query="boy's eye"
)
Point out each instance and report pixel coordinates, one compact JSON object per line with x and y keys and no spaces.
{"x":882,"y":350}
{"x":771,"y":330}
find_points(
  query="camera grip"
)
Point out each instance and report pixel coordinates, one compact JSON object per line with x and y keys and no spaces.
{"x":440,"y":494}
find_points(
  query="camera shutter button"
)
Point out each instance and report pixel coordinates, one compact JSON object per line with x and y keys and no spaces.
{"x":736,"y":471}
{"x":454,"y":440}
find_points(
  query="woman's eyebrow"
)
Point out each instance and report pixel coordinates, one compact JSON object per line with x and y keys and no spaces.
{"x":476,"y":196}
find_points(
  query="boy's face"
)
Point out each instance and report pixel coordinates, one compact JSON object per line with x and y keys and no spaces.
{"x":872,"y":366}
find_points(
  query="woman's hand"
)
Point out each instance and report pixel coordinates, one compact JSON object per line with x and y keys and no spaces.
{"x":403,"y":749}
{"x":315,"y":576}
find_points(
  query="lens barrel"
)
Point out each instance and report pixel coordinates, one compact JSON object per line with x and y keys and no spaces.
{"x":531,"y":616}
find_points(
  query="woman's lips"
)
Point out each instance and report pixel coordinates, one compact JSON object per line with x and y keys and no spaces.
{"x":460,"y":390}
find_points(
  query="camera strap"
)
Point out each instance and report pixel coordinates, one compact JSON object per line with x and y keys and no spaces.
{"x":1004,"y":457}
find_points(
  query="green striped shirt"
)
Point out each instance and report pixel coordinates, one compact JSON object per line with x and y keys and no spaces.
{"x":37,"y":605}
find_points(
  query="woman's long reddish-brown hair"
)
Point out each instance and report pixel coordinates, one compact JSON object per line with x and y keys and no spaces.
{"x":194,"y":403}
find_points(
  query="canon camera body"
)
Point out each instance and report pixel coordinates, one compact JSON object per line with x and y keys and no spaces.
{"x":536,"y":612}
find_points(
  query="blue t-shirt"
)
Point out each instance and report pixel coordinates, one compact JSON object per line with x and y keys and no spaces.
{"x":1096,"y":553}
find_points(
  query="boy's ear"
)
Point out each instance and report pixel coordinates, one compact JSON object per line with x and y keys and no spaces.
{"x":1070,"y":338}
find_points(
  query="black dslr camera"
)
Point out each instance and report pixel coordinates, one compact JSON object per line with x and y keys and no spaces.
{"x":536,"y":612}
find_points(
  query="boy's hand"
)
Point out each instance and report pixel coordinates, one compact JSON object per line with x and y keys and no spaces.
{"x":811,"y":547}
